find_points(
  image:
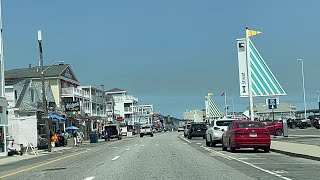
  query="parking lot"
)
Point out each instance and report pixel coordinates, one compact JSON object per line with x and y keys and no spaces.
{"x":274,"y":165}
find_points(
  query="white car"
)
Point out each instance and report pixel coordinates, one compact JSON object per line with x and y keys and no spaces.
{"x":186,"y":130}
{"x":215,"y":132}
{"x":146,"y":130}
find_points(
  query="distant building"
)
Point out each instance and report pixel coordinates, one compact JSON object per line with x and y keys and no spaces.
{"x":284,"y":109}
{"x":125,"y":105}
{"x":196,"y":115}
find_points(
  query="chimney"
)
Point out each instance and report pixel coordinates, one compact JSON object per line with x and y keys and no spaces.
{"x":30,"y":66}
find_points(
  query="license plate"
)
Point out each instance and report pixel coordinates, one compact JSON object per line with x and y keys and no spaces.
{"x":253,"y":135}
{"x":199,"y":130}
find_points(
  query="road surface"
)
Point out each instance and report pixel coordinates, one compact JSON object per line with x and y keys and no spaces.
{"x":164,"y":156}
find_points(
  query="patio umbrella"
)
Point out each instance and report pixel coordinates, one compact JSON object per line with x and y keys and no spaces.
{"x":71,"y":128}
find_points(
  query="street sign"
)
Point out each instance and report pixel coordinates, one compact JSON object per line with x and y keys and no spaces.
{"x":272,"y":103}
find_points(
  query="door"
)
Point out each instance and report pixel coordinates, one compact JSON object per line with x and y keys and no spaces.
{"x":3,"y":142}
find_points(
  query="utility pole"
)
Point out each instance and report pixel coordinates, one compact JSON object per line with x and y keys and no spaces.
{"x":44,"y":101}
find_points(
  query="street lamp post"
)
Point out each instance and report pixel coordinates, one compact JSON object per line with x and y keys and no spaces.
{"x":318,"y":92}
{"x":44,"y":101}
{"x":304,"y":89}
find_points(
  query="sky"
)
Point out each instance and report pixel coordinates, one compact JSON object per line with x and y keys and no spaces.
{"x":169,"y":53}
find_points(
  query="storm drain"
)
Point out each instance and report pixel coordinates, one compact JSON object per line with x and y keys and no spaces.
{"x":54,"y":169}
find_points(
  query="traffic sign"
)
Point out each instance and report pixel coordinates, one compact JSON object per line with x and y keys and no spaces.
{"x":272,"y":103}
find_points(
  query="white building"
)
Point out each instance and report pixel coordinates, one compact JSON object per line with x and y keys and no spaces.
{"x":196,"y":115}
{"x":145,"y":112}
{"x":125,"y":105}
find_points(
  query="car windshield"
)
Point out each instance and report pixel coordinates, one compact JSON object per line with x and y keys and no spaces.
{"x":250,"y":125}
{"x":268,"y":123}
{"x":223,"y":123}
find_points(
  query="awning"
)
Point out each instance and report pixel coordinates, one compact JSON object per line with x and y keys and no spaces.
{"x":54,"y":116}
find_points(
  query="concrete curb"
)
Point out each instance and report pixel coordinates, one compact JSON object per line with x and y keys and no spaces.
{"x":296,"y":154}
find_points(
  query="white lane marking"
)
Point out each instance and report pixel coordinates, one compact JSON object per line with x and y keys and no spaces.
{"x":198,"y":143}
{"x":250,"y":158}
{"x":89,"y":178}
{"x":252,"y":165}
{"x":140,"y":141}
{"x":212,"y":151}
{"x":128,"y":149}
{"x":185,"y":139}
{"x":115,"y":158}
{"x":142,"y":145}
{"x":114,"y":147}
{"x":135,"y":144}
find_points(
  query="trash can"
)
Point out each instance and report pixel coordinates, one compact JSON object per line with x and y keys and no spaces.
{"x":93,"y":138}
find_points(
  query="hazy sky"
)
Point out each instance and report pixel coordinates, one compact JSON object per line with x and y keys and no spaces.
{"x":169,"y":53}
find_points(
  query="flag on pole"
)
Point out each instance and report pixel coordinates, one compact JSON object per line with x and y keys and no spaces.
{"x":253,"y":32}
{"x":224,"y":93}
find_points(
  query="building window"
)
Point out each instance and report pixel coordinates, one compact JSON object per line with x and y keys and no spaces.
{"x":32,"y":94}
{"x":15,"y":95}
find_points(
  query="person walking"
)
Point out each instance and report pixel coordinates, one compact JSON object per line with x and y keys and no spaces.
{"x":75,"y":134}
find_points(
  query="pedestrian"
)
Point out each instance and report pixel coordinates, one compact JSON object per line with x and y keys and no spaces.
{"x":108,"y":134}
{"x":81,"y":137}
{"x":11,"y":150}
{"x":75,"y":134}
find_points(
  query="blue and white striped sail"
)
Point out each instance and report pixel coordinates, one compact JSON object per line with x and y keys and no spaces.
{"x":264,"y":83}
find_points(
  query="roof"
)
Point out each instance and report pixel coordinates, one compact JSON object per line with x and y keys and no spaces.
{"x":34,"y":72}
{"x":116,"y":90}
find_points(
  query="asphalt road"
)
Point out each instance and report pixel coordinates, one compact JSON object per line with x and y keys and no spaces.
{"x":164,"y":156}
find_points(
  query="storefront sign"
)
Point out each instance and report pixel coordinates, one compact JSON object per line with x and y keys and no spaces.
{"x":72,"y":106}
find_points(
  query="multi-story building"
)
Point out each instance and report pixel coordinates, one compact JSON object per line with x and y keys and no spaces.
{"x":145,"y":112}
{"x":97,"y":105}
{"x":126,"y":105}
{"x":58,"y":76}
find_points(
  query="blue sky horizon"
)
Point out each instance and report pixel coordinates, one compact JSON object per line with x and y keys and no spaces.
{"x":167,"y":53}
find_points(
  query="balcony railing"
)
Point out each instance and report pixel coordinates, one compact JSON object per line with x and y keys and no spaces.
{"x":72,"y":92}
{"x":128,"y":109}
{"x":125,"y":98}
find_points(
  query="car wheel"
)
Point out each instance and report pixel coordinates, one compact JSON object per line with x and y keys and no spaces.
{"x":189,"y":137}
{"x":293,"y":126}
{"x":151,"y":135}
{"x":232,"y":149}
{"x":185,"y":135}
{"x":204,"y":137}
{"x":303,"y":126}
{"x":212,"y":143}
{"x":317,"y":127}
{"x":207,"y":143}
{"x":266,"y":149}
{"x":141,"y":135}
{"x":224,"y":148}
{"x":278,"y":132}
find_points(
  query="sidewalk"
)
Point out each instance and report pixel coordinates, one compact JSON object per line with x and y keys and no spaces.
{"x":11,"y":159}
{"x":296,"y":149}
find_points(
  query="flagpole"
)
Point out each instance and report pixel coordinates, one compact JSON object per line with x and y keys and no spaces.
{"x":249,"y":75}
{"x":225,"y":102}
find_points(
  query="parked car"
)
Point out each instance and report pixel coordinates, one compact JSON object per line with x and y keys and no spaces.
{"x":146,"y":130}
{"x":292,"y":123}
{"x":274,"y":128}
{"x":186,"y":130}
{"x":180,"y":128}
{"x":315,"y":121}
{"x":303,"y":123}
{"x":246,"y":134}
{"x":197,"y":130}
{"x":115,"y":132}
{"x":215,"y":131}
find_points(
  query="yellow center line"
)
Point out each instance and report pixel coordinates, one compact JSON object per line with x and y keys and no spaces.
{"x":46,"y":163}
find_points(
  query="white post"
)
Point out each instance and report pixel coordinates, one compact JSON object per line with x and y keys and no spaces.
{"x":2,"y":93}
{"x":304,"y":90}
{"x":232,"y":108}
{"x":249,"y":75}
{"x":225,"y":102}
